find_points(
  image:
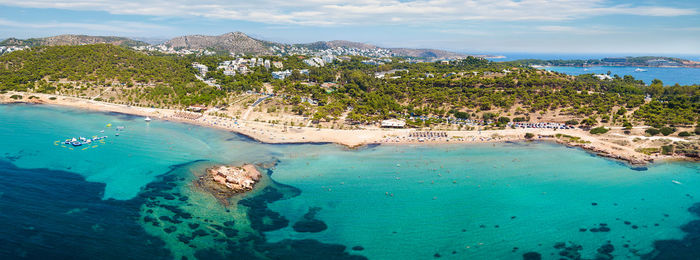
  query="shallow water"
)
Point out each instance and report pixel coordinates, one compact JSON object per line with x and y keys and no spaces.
{"x":392,"y":201}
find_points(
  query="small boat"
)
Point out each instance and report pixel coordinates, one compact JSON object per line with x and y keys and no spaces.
{"x":109,"y":125}
{"x":640,"y":70}
{"x":676,"y":182}
{"x":117,"y":134}
{"x":147,"y":119}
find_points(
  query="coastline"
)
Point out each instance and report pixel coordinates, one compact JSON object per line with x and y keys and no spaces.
{"x":605,"y":146}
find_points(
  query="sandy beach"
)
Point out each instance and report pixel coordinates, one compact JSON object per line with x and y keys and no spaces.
{"x":614,"y":145}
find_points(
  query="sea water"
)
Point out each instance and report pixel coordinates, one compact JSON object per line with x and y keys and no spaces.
{"x":669,"y":76}
{"x":133,"y":196}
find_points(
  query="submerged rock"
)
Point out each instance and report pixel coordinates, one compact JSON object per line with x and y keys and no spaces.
{"x":532,"y":256}
{"x":309,"y":223}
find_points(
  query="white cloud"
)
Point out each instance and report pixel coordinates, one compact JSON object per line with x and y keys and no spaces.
{"x":365,"y":12}
{"x":108,"y":27}
{"x":576,"y":30}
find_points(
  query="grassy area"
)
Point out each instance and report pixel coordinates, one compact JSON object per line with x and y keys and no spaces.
{"x":648,"y":150}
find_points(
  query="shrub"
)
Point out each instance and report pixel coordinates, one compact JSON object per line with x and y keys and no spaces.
{"x":599,"y":130}
{"x":627,"y":125}
{"x":52,"y":98}
{"x":16,"y":97}
{"x":519,"y":119}
{"x":529,"y":135}
{"x":489,"y":116}
{"x":697,"y":130}
{"x":684,"y":134}
{"x":652,"y":131}
{"x":667,"y":149}
{"x":572,"y":122}
{"x":589,"y":121}
{"x":461,"y":115}
{"x":503,"y":120}
{"x":621,"y":111}
{"x":667,"y":130}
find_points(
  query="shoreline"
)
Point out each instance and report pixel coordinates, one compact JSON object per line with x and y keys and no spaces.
{"x":355,"y":138}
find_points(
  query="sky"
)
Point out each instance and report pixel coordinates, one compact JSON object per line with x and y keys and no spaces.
{"x":469,"y":26}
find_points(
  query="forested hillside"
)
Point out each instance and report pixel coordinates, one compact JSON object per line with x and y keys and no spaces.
{"x":357,"y":92}
{"x":152,"y":79}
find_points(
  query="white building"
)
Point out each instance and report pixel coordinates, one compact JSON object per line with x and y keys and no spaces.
{"x":230,"y":72}
{"x":603,"y":76}
{"x":201,"y":68}
{"x":394,"y":123}
{"x":281,"y":74}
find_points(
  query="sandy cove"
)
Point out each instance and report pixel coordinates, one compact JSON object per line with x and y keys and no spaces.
{"x":605,"y":145}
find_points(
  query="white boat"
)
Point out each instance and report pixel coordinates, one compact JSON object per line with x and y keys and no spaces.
{"x":676,"y":182}
{"x":148,"y":119}
{"x":640,"y":70}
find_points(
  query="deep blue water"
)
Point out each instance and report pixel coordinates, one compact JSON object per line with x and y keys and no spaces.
{"x":669,"y":76}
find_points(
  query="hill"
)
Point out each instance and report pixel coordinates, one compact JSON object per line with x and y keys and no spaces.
{"x":108,"y":71}
{"x":236,"y":42}
{"x":323,"y":45}
{"x":71,"y":39}
{"x":239,"y":42}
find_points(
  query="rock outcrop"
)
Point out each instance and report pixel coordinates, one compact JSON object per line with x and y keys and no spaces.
{"x":225,"y":181}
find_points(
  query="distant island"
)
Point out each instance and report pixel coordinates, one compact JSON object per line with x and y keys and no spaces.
{"x":643,"y":61}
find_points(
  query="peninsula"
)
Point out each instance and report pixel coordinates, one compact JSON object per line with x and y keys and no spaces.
{"x":642,"y":61}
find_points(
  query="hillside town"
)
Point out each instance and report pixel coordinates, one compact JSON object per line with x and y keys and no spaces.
{"x":8,"y":49}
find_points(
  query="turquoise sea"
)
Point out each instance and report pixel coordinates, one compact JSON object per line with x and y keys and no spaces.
{"x":670,"y":76}
{"x":132,"y":197}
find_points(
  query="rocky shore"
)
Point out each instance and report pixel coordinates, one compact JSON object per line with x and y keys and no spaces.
{"x":632,"y":160}
{"x":224,"y":181}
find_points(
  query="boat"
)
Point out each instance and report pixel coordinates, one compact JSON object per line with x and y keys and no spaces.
{"x":82,"y":140}
{"x":676,"y":182}
{"x":147,"y":119}
{"x":640,"y":70}
{"x":117,"y":134}
{"x":109,"y":125}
